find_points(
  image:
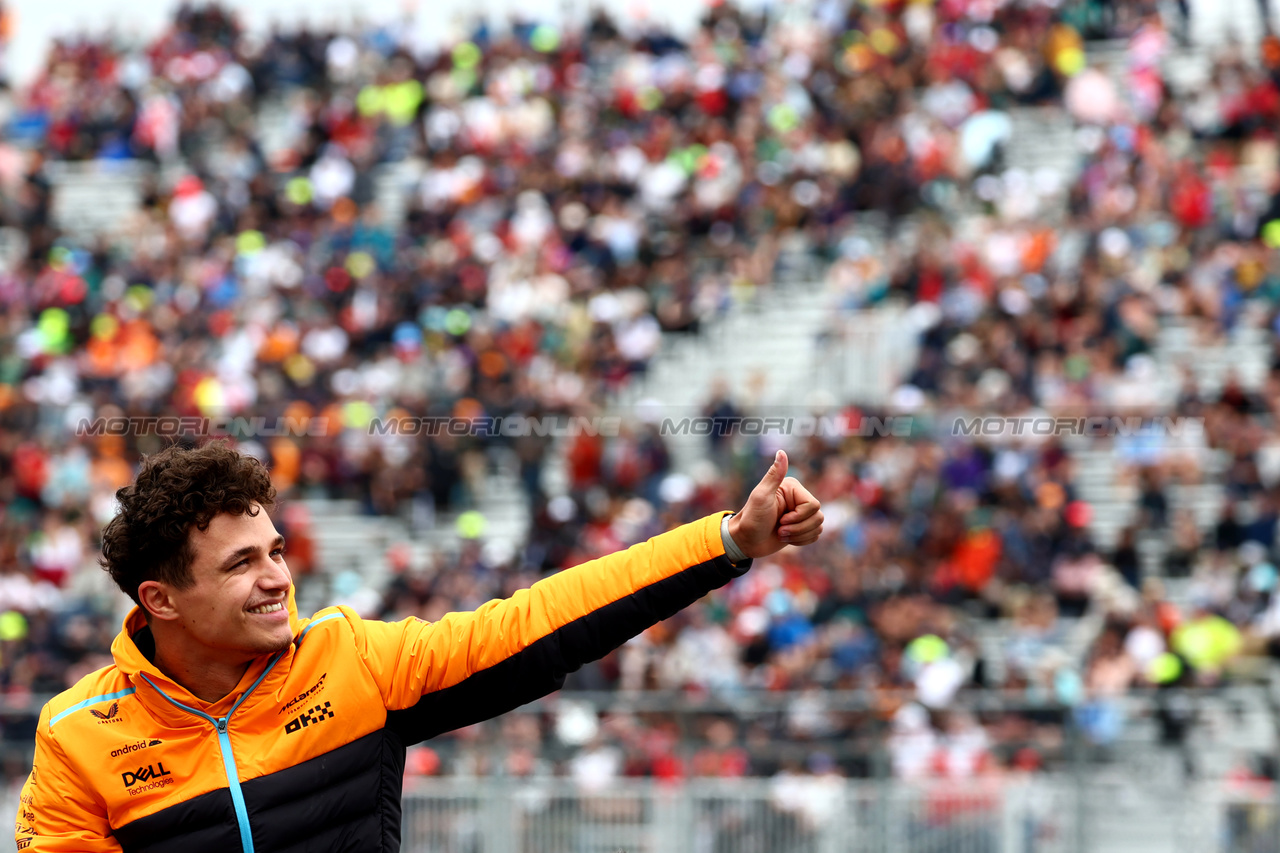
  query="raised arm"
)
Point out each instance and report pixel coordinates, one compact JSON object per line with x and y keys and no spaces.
{"x":467,"y":667}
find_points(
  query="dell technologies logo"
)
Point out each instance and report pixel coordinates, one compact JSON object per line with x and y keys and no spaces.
{"x":145,"y":774}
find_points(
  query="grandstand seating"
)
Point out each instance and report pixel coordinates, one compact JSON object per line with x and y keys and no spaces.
{"x":795,"y":345}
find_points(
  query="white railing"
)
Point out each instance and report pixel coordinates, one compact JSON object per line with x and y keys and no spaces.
{"x":787,"y":814}
{"x":824,"y":814}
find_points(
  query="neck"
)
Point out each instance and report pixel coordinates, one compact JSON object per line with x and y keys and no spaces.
{"x":207,"y":679}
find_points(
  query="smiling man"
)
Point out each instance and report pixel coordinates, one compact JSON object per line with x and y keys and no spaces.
{"x":228,"y":723}
{"x":236,"y":606}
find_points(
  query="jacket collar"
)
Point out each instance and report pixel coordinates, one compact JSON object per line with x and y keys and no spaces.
{"x":130,"y":658}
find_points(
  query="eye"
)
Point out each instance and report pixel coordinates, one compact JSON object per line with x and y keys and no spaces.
{"x":278,"y":552}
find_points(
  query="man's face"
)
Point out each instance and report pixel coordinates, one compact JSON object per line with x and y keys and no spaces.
{"x":237,"y":609}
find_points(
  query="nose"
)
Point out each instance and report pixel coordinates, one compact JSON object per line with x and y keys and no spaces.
{"x":275,"y":576}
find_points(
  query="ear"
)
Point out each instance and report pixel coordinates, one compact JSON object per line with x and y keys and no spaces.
{"x":157,"y":599}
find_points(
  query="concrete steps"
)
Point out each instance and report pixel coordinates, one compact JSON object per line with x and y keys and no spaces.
{"x":1043,"y":139}
{"x":277,"y":126}
{"x":95,"y":197}
{"x":347,"y":542}
{"x":1246,"y":355}
{"x":785,"y":350}
{"x":787,"y":353}
{"x":1219,"y":22}
{"x":764,"y":349}
{"x":393,"y":187}
{"x":351,"y":547}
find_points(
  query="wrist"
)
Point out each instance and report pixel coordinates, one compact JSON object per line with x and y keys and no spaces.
{"x":731,"y":548}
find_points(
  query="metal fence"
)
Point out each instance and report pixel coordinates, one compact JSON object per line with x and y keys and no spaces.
{"x":807,"y":814}
{"x":831,"y":815}
{"x":1145,"y":791}
{"x":785,"y":815}
{"x":801,"y":814}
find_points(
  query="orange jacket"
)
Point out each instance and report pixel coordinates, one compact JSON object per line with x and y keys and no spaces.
{"x":307,"y":753}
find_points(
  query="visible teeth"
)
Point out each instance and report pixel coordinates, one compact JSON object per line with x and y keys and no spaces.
{"x":267,"y":608}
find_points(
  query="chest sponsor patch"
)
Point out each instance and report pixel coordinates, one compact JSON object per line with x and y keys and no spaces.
{"x":134,"y":747}
{"x":109,"y":715}
{"x":313,"y":717}
{"x":148,"y":778}
{"x":310,"y":693}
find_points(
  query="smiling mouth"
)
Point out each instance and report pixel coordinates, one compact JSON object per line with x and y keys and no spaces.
{"x":266,"y":608}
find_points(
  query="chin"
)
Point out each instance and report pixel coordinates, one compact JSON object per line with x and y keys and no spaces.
{"x":279,"y":644}
{"x":272,"y":643}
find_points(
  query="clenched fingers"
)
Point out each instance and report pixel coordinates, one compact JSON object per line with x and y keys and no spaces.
{"x":803,"y":523}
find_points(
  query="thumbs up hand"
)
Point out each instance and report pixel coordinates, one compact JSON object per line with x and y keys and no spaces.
{"x":779,"y":512}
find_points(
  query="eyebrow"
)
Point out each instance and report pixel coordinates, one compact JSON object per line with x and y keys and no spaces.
{"x":240,"y":553}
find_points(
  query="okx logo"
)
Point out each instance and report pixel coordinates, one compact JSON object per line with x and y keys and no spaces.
{"x":316,"y":715}
{"x":150,"y":773}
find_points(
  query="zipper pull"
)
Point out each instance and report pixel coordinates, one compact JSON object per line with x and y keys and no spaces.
{"x":221,"y":723}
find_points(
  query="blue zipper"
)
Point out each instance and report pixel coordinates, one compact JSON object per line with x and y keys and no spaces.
{"x":224,"y":745}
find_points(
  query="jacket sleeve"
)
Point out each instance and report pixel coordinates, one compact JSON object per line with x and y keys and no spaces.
{"x":57,"y":810}
{"x":467,"y":667}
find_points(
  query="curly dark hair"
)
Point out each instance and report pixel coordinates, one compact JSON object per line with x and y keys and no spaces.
{"x":177,"y":489}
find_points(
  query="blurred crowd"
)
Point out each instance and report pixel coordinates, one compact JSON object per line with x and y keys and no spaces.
{"x":574,"y":194}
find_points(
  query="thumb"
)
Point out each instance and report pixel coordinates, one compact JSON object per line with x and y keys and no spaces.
{"x":776,"y":474}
